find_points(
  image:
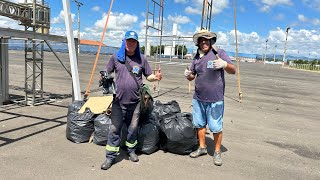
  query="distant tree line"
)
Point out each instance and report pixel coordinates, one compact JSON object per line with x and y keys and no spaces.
{"x":312,"y":63}
{"x":154,"y":50}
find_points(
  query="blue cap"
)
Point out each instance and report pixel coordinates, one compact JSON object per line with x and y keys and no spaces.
{"x":131,"y":35}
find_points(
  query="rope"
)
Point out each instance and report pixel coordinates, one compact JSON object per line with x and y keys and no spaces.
{"x":98,"y":53}
{"x":238,"y":62}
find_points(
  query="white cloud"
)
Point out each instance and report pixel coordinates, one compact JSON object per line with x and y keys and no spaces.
{"x":304,"y":41}
{"x":58,"y":31}
{"x":277,"y":2}
{"x":118,"y":24}
{"x":179,"y":19}
{"x":116,"y":21}
{"x":316,"y":22}
{"x":217,"y":6}
{"x":304,"y":19}
{"x":10,"y":23}
{"x":242,"y":9}
{"x":60,"y":18}
{"x":20,"y":1}
{"x":315,"y":4}
{"x":180,"y":1}
{"x":265,"y":5}
{"x":191,"y":10}
{"x":96,"y":8}
{"x":279,"y":17}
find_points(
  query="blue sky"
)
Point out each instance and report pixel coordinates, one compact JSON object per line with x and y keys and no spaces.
{"x":257,"y":20}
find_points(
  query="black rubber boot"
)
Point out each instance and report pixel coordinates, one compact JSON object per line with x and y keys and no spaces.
{"x":106,"y":165}
{"x":133,"y":157}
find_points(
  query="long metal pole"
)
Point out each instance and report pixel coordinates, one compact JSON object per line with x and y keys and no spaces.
{"x":79,"y":4}
{"x":265,"y":54}
{"x":34,"y":13}
{"x":238,"y":62}
{"x":99,"y":49}
{"x":50,"y":47}
{"x":182,"y":49}
{"x":71,"y":48}
{"x":285,"y":46}
{"x":274,"y":55}
{"x":147,"y":26}
{"x":78,"y":28}
{"x":162,"y":4}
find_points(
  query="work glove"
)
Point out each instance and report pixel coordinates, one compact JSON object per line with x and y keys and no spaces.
{"x":187,"y":73}
{"x":219,"y":64}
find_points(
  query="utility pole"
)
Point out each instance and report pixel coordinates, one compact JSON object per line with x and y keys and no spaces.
{"x":79,"y":4}
{"x":285,"y":45}
{"x":265,"y":54}
{"x":274,"y":55}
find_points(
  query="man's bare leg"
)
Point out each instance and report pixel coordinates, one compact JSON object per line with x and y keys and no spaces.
{"x":202,"y":150}
{"x":217,"y":152}
{"x":217,"y":141}
{"x":202,"y":137}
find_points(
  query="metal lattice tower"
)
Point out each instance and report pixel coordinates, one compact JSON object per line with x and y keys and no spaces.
{"x":36,"y":18}
{"x":154,"y":11}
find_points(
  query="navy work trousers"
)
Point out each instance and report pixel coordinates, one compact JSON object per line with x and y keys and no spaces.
{"x":122,"y":114}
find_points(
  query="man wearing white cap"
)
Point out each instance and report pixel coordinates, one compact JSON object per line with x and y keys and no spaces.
{"x":208,"y":68}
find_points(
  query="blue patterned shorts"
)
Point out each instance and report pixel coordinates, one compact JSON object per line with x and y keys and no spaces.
{"x":204,"y":113}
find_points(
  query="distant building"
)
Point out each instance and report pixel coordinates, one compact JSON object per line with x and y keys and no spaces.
{"x":168,"y":50}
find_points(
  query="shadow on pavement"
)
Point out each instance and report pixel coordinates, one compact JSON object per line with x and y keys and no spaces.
{"x":210,"y":146}
{"x":17,"y":115}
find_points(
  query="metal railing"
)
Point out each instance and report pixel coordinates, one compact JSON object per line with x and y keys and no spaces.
{"x":25,"y":12}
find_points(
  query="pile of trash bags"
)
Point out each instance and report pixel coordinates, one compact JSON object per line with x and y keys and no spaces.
{"x":163,"y":127}
{"x":177,"y":134}
{"x":81,"y":126}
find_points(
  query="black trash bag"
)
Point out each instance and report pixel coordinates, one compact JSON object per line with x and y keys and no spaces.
{"x":80,"y":126}
{"x":107,"y":83}
{"x":148,"y":138}
{"x":154,"y":119}
{"x":146,"y":114}
{"x":102,"y":125}
{"x":181,"y":136}
{"x":166,"y":109}
{"x":75,"y":106}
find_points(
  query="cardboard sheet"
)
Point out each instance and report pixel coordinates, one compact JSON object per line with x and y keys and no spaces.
{"x":97,"y":105}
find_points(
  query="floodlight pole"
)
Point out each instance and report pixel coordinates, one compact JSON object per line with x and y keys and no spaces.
{"x":285,"y":47}
{"x":274,"y":55}
{"x":265,"y":54}
{"x":79,"y":4}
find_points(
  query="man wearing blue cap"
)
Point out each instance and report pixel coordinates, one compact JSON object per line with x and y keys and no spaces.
{"x":129,"y":65}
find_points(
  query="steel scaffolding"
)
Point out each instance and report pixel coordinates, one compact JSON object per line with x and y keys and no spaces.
{"x":35,"y":17}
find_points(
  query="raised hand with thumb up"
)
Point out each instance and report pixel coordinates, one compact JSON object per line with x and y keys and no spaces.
{"x":219,"y":64}
{"x":187,"y":72}
{"x":158,"y":75}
